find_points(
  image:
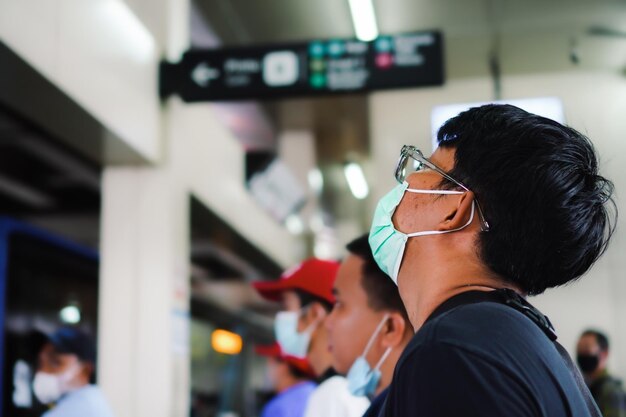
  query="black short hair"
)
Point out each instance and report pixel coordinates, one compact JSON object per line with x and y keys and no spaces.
{"x":307,"y":298}
{"x":601,"y":338}
{"x":551,"y":214}
{"x":382,"y":293}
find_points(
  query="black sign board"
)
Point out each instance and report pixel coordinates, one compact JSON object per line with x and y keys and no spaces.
{"x":308,"y":68}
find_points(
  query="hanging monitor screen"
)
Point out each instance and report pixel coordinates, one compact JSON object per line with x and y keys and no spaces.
{"x":308,"y":68}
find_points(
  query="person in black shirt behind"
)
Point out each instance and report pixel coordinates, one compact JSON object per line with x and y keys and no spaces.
{"x":509,"y":204}
{"x":592,"y":355}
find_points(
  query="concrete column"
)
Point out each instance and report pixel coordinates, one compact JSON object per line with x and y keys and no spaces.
{"x":143,"y":333}
{"x":144,"y":289}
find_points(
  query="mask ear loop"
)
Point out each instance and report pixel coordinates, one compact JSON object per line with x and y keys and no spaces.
{"x":382,"y":359}
{"x":373,"y":337}
{"x":370,"y":343}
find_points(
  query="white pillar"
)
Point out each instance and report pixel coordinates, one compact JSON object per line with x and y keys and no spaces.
{"x":143,"y":363}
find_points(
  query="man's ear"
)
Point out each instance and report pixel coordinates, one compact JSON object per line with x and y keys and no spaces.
{"x":318,"y":311}
{"x":459,"y":211}
{"x":314,"y":312}
{"x":394,"y":330}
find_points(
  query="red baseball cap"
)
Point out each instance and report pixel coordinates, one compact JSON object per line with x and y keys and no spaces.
{"x":274,"y":351}
{"x":313,"y":276}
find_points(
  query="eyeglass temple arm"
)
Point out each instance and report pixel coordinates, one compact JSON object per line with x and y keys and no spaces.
{"x":414,"y":153}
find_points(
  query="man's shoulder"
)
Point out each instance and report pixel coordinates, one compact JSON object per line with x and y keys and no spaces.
{"x":335,"y":385}
{"x":488,"y":355}
{"x":332,"y":398}
{"x":335,"y":389}
{"x":301,"y":390}
{"x":284,"y":403}
{"x":479,"y":324}
{"x":88,"y":399}
{"x":490,"y":333}
{"x":497,"y":316}
{"x":377,"y":404}
{"x":611,"y":384}
{"x":611,"y":397}
{"x":277,"y":406}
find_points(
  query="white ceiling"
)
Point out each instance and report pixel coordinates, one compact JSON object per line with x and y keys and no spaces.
{"x":261,"y":21}
{"x":544,"y":31}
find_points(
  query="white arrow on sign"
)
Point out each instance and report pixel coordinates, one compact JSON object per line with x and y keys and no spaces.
{"x":202,"y":74}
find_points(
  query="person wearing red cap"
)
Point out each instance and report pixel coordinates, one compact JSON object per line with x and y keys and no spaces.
{"x":291,"y":380}
{"x":306,"y":293}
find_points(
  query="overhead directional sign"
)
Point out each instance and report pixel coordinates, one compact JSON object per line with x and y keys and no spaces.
{"x":203,"y":74}
{"x":308,"y":68}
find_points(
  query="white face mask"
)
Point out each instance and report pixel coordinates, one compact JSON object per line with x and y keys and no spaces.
{"x":386,"y":242}
{"x":286,"y":331}
{"x":48,"y":388}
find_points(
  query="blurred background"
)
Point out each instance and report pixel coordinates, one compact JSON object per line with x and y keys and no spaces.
{"x":142,"y":215}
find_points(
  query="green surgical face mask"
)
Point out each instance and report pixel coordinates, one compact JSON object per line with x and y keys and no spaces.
{"x":387,"y":243}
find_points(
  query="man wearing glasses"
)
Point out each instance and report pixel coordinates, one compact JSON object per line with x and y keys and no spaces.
{"x":509,"y":204}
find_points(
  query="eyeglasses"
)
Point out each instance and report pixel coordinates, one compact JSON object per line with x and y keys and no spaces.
{"x":412,"y":160}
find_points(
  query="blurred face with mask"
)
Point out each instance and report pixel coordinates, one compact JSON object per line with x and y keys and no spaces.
{"x":368,"y":327}
{"x":59,"y":374}
{"x":591,"y":356}
{"x":305,"y":294}
{"x":300,"y":331}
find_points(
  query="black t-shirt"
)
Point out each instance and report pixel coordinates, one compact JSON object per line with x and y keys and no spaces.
{"x":477,"y":358}
{"x":376,"y":404}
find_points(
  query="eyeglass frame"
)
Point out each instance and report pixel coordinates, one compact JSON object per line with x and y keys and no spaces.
{"x":412,"y":152}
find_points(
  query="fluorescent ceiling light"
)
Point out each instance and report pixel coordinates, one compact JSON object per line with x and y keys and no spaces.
{"x":356,"y":180}
{"x":316,"y":180}
{"x":70,"y":314}
{"x":364,"y":19}
{"x":294,"y":224}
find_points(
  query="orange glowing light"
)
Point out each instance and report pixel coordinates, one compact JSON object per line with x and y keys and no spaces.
{"x":226,"y":342}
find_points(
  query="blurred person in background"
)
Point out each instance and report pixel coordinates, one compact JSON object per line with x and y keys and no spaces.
{"x":305,"y":292}
{"x":368,"y":327}
{"x":291,"y":379}
{"x":64,"y":374}
{"x":592,"y":357}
